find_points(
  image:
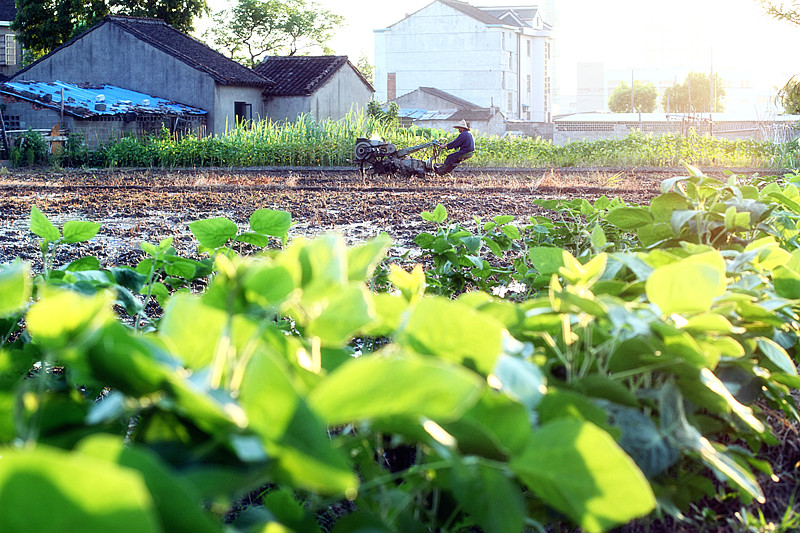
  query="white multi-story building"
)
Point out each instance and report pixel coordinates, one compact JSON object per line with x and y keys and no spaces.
{"x":492,"y":56}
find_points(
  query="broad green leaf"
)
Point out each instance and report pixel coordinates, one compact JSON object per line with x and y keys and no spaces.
{"x":292,"y":432}
{"x":15,"y":287}
{"x":453,"y":331}
{"x":266,"y":284}
{"x":177,"y":504}
{"x":362,"y":259}
{"x":488,"y":494}
{"x":680,"y":218}
{"x":80,"y":230}
{"x":496,"y":427}
{"x":271,"y":222}
{"x":519,"y":379}
{"x":745,"y":413}
{"x":578,"y":469}
{"x":284,"y":505}
{"x":663,"y":205}
{"x":503,"y":219}
{"x":256,"y":239}
{"x":775,"y":353}
{"x":512,"y":232}
{"x":689,"y":286}
{"x":598,"y":237}
{"x":629,"y":218}
{"x":81,"y":492}
{"x":378,"y":386}
{"x":214,"y":232}
{"x":654,"y":233}
{"x":41,"y":226}
{"x":347,"y":311}
{"x":50,"y":323}
{"x":438,"y":215}
{"x":546,"y":260}
{"x":181,"y":335}
{"x":786,"y":282}
{"x":472,"y":243}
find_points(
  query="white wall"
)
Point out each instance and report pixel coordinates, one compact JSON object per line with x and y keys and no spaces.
{"x":443,"y":48}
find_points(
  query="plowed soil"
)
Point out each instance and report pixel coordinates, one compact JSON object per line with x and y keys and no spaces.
{"x":149,"y":205}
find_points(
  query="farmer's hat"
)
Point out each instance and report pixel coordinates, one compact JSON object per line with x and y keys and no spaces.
{"x":462,"y":124}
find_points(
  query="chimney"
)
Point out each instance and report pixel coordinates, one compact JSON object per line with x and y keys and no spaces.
{"x":391,"y":86}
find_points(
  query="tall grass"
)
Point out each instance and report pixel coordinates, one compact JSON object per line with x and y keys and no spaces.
{"x":309,"y":143}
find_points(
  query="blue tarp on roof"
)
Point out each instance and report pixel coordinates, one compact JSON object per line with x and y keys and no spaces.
{"x":93,"y":100}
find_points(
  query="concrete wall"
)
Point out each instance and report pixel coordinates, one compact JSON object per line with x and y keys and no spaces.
{"x":226,"y":96}
{"x":343,"y":92}
{"x":441,"y":47}
{"x":112,"y":56}
{"x":423,"y":100}
{"x":492,"y":126}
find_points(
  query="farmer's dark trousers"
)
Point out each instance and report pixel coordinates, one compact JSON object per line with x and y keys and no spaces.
{"x":452,"y":161}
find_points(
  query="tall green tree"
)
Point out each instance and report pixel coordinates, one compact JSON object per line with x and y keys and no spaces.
{"x":644,"y":98}
{"x":789,"y":95}
{"x":253,"y":29}
{"x":366,"y":68}
{"x":694,"y":95}
{"x":42,"y":25}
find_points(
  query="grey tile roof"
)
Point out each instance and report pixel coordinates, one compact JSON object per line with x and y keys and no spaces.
{"x":472,"y":11}
{"x":460,"y":103}
{"x":187,"y":49}
{"x":8,"y":10}
{"x":301,"y":75}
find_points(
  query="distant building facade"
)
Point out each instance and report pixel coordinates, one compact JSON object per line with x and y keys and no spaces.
{"x":428,"y":107}
{"x":492,"y":56}
{"x":10,"y":51}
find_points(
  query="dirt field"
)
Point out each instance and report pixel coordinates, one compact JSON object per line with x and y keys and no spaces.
{"x":149,"y":205}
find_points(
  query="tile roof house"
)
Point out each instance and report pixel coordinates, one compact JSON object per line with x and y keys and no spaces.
{"x":428,"y":107}
{"x":10,"y":52}
{"x":319,"y":86}
{"x":151,"y":57}
{"x":493,"y":56}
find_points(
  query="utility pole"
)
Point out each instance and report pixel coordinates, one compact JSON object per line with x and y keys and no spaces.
{"x":632,"y":108}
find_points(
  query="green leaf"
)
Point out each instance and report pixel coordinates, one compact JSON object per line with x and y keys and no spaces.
{"x":578,"y":469}
{"x":256,"y":239}
{"x":663,"y":205}
{"x":546,"y":260}
{"x":80,"y":230}
{"x":598,"y":237}
{"x":669,"y":288}
{"x":512,"y":232}
{"x":50,"y":325}
{"x":775,"y":353}
{"x":520,"y":380}
{"x":787,"y":282}
{"x":41,"y":226}
{"x":380,"y":386}
{"x":178,"y":506}
{"x":289,"y":511}
{"x":488,"y":495}
{"x":214,"y":232}
{"x":362,"y":259}
{"x":80,"y":491}
{"x":629,"y":218}
{"x":453,"y":331}
{"x":271,"y":222}
{"x":347,"y":311}
{"x":291,"y":430}
{"x":15,"y":287}
{"x":438,"y":216}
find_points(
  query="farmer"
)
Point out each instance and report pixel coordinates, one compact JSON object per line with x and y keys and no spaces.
{"x":465,"y":144}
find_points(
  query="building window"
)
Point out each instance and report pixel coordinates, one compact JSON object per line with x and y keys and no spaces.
{"x":12,"y":122}
{"x":528,"y":83}
{"x":243,"y":111}
{"x":503,"y":79}
{"x":9,"y":43}
{"x":510,"y":63}
{"x":510,"y":102}
{"x":528,"y":46}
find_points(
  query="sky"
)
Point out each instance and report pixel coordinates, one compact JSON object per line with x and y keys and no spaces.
{"x":733,"y":35}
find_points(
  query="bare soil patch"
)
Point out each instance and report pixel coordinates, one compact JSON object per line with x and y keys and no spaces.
{"x":149,"y":205}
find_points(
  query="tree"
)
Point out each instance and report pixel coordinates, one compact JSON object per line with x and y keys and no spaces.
{"x":644,"y":98}
{"x":42,"y":25}
{"x":256,"y":28}
{"x":179,"y":14}
{"x":789,"y":11}
{"x":694,"y":95}
{"x":366,"y":68}
{"x":789,"y":96}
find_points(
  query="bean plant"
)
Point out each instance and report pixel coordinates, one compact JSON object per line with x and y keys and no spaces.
{"x":634,"y":370}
